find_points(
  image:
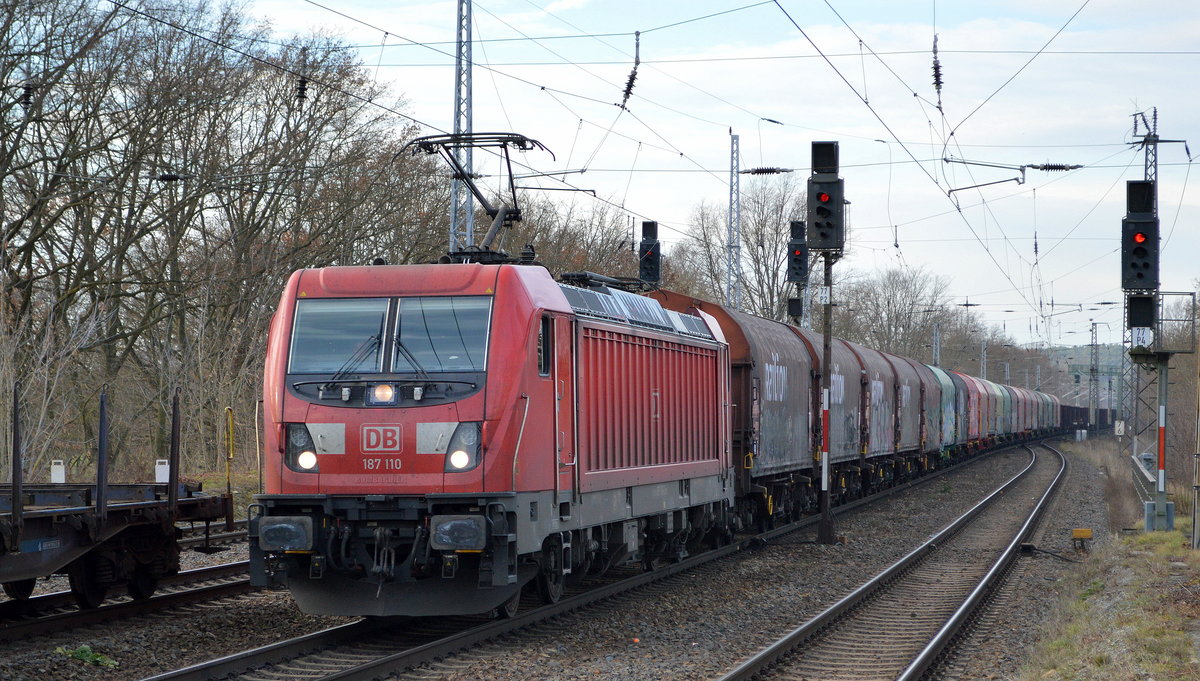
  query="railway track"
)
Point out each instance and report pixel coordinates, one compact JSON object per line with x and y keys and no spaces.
{"x":57,"y":611}
{"x":898,"y":625}
{"x":199,"y":536}
{"x":215,"y":540}
{"x":371,"y":649}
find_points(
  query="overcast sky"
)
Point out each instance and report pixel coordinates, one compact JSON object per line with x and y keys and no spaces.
{"x":1024,"y":83}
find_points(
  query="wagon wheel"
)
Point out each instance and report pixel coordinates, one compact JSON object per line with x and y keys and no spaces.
{"x":21,"y":589}
{"x":88,"y":591}
{"x":550,"y":580}
{"x":142,"y":584}
{"x":765,"y":520}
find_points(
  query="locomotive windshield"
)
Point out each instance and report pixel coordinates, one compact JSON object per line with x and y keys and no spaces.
{"x":344,"y":336}
{"x":338,"y":335}
{"x":446,"y":333}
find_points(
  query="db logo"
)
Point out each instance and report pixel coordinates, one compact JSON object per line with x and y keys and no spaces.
{"x":380,"y":438}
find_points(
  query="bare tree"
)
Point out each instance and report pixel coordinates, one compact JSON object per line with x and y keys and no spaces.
{"x":573,"y":235}
{"x":156,"y":190}
{"x":769,"y":204}
{"x":697,"y":262}
{"x":895,"y":310}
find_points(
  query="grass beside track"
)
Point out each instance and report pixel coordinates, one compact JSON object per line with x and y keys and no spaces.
{"x":1131,"y":611}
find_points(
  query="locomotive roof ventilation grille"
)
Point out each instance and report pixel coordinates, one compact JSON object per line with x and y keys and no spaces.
{"x":642,"y":311}
{"x":632,"y":309}
{"x":592,"y":304}
{"x":689,"y":325}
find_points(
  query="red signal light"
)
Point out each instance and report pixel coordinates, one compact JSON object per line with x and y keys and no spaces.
{"x":1139,"y":237}
{"x":823,"y":197}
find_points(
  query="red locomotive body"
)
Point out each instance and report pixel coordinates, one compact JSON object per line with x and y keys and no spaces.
{"x":437,"y":436}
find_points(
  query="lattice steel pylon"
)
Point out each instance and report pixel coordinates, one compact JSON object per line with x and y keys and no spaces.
{"x":1094,"y":380}
{"x":462,"y":202}
{"x":733,"y":236}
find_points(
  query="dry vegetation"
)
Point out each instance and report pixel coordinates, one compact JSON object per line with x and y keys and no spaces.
{"x":1124,"y":507}
{"x":1132,"y":610}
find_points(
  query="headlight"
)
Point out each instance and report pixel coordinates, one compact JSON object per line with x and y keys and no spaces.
{"x":301,"y":455}
{"x":381,"y":394}
{"x":462,"y":454}
{"x":459,"y":459}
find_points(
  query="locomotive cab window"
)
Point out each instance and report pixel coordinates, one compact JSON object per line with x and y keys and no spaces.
{"x":443,"y":333}
{"x":545,"y":346}
{"x":338,"y":334}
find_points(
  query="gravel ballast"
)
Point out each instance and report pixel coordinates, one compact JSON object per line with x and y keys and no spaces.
{"x":694,"y":626}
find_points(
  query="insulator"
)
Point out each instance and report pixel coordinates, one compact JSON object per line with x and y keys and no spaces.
{"x":937,"y":67}
{"x":637,"y":60}
{"x":302,"y":89}
{"x":1052,"y":167}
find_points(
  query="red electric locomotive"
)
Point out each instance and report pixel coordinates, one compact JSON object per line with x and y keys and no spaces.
{"x":437,"y":436}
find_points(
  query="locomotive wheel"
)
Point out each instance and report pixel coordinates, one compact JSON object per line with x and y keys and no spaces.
{"x":88,"y":591}
{"x":21,"y":589}
{"x":143,"y":584}
{"x":551,"y":581}
{"x":508,"y":609}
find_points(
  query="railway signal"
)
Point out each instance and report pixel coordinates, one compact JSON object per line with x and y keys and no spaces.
{"x":649,"y":258}
{"x":1139,"y":238}
{"x":826,"y":212}
{"x":826,"y":217}
{"x":797,"y":258}
{"x":826,"y":234}
{"x":1141,"y":311}
{"x":1139,"y":254}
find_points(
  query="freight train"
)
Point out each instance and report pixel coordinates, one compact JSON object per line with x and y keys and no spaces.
{"x":439,"y":437}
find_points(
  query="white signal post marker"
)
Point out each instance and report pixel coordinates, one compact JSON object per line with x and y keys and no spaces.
{"x":825,"y":440}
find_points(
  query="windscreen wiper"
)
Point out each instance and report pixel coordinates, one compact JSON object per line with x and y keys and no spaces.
{"x":362,"y":352}
{"x":411,"y":359}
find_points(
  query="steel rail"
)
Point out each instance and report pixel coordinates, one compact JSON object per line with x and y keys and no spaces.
{"x":20,"y":628}
{"x":218,"y":539}
{"x":773,"y":653}
{"x":949,"y":632}
{"x":290,"y":649}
